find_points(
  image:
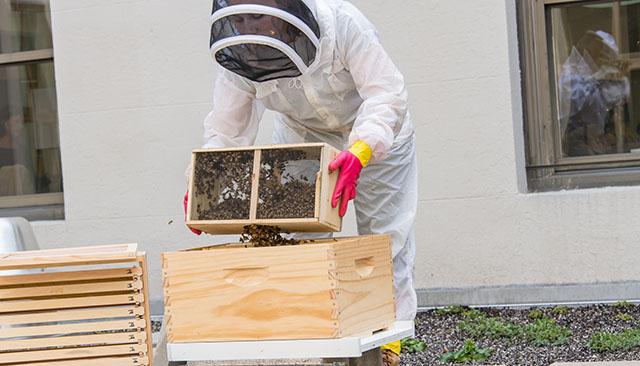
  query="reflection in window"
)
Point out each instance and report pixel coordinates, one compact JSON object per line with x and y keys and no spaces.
{"x":29,"y":143}
{"x":25,"y":25}
{"x":592,"y":53}
{"x":30,"y":168}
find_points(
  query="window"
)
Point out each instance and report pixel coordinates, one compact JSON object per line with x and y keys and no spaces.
{"x":30,"y":168}
{"x":581,"y":85}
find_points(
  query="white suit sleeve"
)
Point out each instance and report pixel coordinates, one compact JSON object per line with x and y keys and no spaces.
{"x":379,"y":82}
{"x":235,"y":117}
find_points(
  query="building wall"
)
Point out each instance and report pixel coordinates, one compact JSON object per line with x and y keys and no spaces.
{"x":135,"y":82}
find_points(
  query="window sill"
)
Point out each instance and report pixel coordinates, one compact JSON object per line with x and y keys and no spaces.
{"x":586,"y":179}
{"x":35,"y":213}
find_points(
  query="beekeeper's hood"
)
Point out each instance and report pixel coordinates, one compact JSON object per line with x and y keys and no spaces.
{"x":263,"y":40}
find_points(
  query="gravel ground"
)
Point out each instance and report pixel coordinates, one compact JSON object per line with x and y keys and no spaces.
{"x":441,"y":334}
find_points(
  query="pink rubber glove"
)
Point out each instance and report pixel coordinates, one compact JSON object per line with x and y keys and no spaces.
{"x":350,"y":168}
{"x":186,"y":204}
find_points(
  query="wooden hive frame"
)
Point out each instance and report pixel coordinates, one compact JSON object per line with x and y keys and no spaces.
{"x":331,"y":288}
{"x":76,"y":306}
{"x":326,"y":218}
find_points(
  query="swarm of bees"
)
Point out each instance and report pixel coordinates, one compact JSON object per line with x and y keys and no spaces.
{"x":282,"y":195}
{"x":222,"y":185}
{"x":262,"y":236}
{"x":266,"y":236}
{"x":224,"y":178}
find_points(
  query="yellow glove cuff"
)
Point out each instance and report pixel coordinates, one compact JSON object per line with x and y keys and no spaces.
{"x":362,"y":151}
{"x":394,"y":347}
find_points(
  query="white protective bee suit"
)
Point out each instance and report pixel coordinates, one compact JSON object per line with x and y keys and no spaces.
{"x":329,"y":80}
{"x":347,"y":90}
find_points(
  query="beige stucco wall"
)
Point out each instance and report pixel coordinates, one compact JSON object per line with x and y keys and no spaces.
{"x":135,"y":82}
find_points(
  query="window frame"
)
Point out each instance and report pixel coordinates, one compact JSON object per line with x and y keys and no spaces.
{"x":31,"y":206}
{"x":547,"y":169}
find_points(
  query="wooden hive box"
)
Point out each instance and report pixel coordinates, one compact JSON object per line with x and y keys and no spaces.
{"x":288,"y":186}
{"x":75,"y":307}
{"x":332,"y":288}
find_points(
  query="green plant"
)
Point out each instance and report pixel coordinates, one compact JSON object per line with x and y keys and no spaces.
{"x":472,"y":314}
{"x":469,"y":352}
{"x":560,"y":310}
{"x":451,"y":310}
{"x":481,"y":326}
{"x":546,"y":332}
{"x":536,"y":314}
{"x":412,"y":345}
{"x":542,"y":332}
{"x":623,"y":304}
{"x":611,"y":342}
{"x":624,"y":317}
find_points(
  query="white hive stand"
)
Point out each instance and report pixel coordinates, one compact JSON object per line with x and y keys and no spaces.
{"x":348,"y":347}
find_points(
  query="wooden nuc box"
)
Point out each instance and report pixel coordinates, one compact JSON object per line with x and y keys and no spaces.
{"x":288,"y":186}
{"x":75,"y":307}
{"x":331,"y":288}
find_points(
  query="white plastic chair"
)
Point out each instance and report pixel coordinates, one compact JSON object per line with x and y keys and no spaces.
{"x":16,"y":235}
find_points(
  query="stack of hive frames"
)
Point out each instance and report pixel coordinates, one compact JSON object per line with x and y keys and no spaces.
{"x":78,"y":306}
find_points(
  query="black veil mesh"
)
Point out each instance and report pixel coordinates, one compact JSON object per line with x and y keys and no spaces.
{"x":257,"y":62}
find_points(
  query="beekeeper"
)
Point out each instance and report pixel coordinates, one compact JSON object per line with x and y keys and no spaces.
{"x":320,"y":65}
